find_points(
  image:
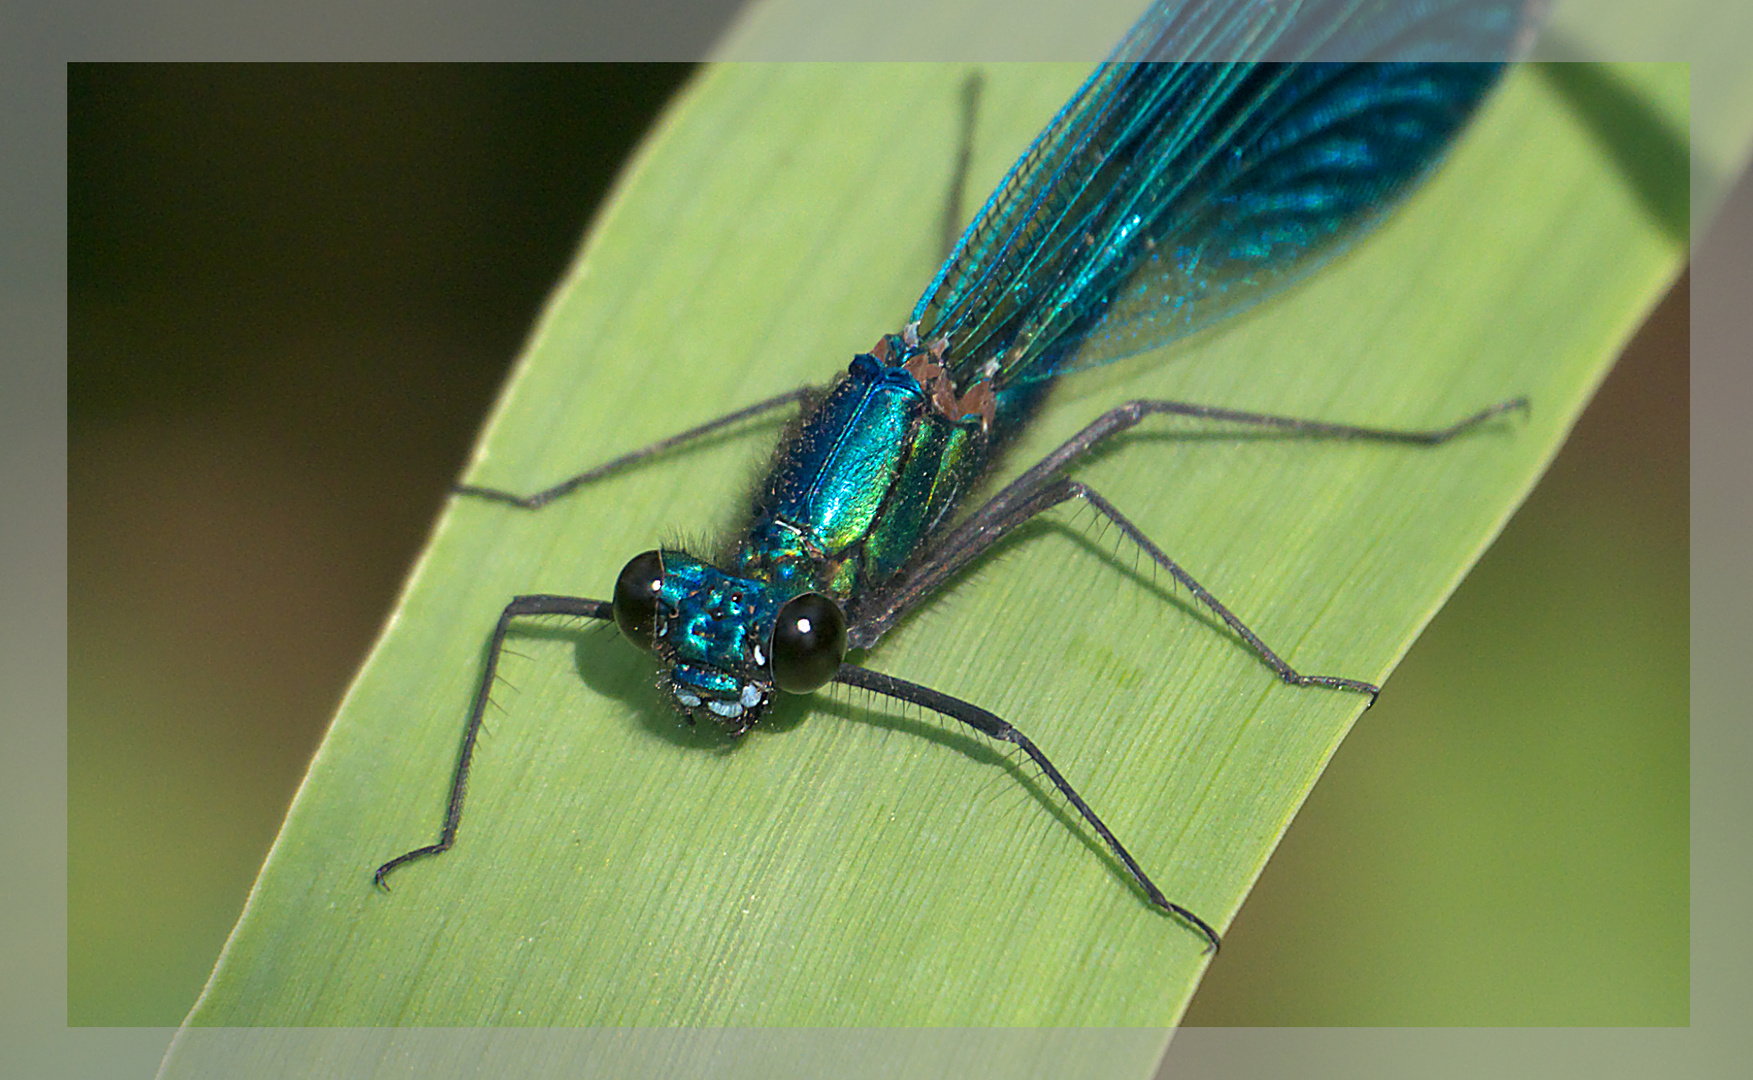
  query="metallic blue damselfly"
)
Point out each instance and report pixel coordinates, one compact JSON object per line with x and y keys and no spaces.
{"x":1225,"y":149}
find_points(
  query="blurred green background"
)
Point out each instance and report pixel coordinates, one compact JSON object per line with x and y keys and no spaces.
{"x":293,"y":292}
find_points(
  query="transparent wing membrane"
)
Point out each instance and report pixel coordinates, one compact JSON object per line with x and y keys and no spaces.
{"x":1197,"y":172}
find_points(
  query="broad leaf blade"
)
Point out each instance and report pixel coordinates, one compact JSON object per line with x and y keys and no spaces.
{"x":857,"y":864}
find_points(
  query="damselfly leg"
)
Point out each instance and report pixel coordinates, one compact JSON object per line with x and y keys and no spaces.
{"x":1040,"y":488}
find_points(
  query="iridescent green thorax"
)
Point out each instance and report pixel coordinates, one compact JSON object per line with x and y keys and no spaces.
{"x":873,"y":470}
{"x":868,"y":475}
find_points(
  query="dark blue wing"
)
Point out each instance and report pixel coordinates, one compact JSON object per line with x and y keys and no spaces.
{"x":1166,"y":195}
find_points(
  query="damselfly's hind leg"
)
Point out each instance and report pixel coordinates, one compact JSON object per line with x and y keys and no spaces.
{"x":1041,"y":488}
{"x":568,"y":486}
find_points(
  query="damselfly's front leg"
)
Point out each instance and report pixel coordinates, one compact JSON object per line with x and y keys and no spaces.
{"x":523,"y":606}
{"x":459,"y":781}
{"x":995,"y":727}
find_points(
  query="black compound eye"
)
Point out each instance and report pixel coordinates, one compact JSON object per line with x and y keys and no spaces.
{"x":636,"y":593}
{"x":809,"y":641}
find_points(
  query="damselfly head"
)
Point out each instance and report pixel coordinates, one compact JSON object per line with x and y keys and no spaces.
{"x":727,"y":642}
{"x":704,"y":692}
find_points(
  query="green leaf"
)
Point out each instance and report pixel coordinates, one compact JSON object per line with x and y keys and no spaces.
{"x":851,"y":862}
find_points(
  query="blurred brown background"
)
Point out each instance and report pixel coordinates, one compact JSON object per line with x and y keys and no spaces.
{"x":293,"y":292}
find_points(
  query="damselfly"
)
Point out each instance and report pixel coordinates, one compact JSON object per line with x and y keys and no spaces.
{"x":1223,"y":150}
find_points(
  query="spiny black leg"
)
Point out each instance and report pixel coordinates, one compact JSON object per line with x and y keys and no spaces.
{"x":1123,"y":417}
{"x":1061,"y":490}
{"x":1040,"y":487}
{"x":459,"y":781}
{"x":991,"y":725}
{"x":1076,"y":490}
{"x":566,"y":487}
